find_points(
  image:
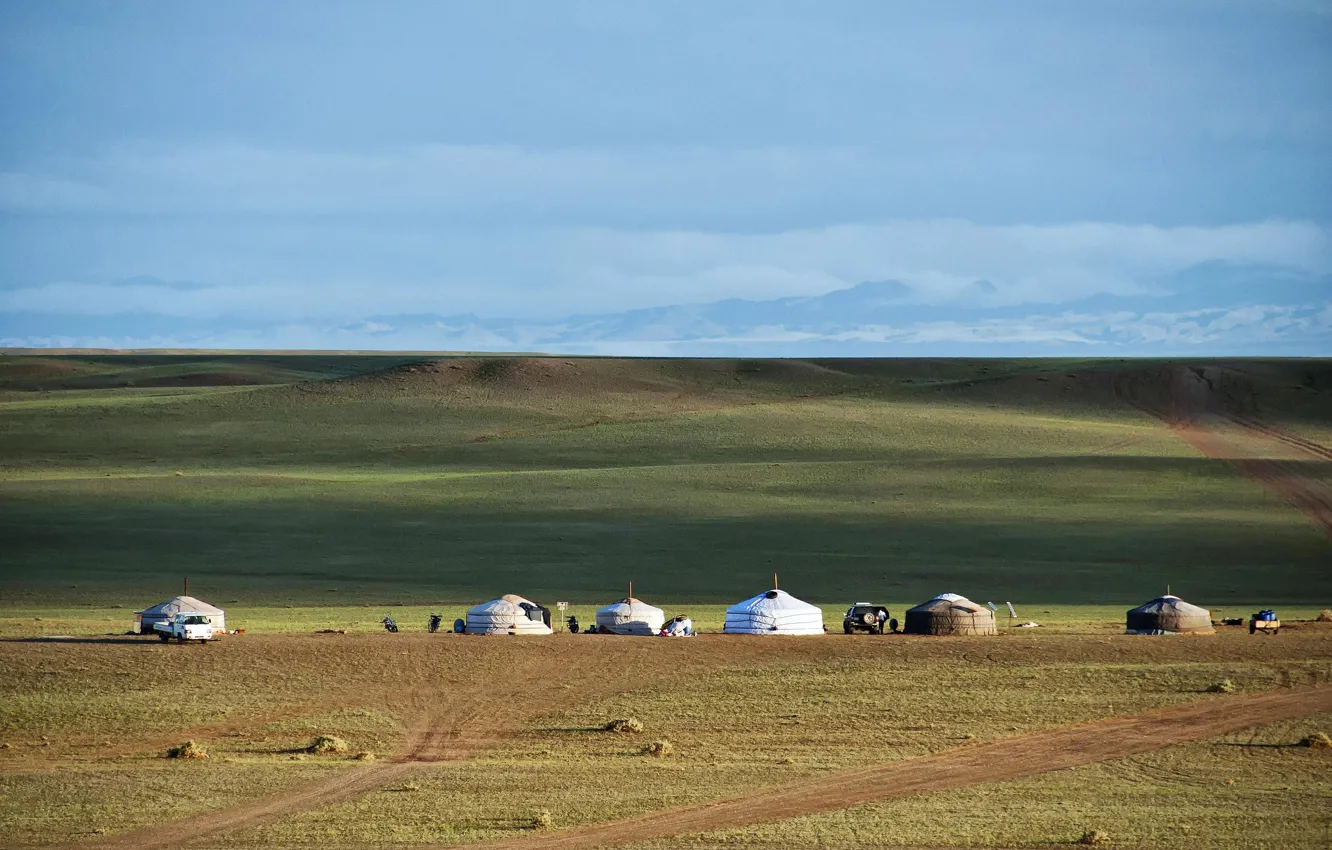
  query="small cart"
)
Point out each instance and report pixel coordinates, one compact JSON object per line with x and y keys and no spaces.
{"x":1265,"y":622}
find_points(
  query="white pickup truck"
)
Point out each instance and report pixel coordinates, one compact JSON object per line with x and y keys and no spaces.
{"x":185,"y":627}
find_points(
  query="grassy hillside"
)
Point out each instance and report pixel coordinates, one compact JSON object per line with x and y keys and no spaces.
{"x":316,"y":492}
{"x":325,"y":480}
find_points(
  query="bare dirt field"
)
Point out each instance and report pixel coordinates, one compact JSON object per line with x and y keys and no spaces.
{"x":455,"y":699}
{"x":996,"y":761}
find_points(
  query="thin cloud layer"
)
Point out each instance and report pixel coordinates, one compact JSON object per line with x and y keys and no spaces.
{"x":596,"y":270}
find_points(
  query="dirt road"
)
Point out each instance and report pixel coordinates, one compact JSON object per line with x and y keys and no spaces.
{"x":444,"y":725}
{"x":452,"y":717}
{"x":1002,"y":760}
{"x":1203,"y":405}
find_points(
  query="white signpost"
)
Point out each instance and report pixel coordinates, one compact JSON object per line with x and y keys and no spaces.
{"x":563,"y":606}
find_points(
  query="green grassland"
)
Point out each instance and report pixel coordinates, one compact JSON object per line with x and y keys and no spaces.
{"x":426,"y":485}
{"x":309,"y":492}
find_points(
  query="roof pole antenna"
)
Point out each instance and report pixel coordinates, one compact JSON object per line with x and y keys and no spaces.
{"x":774,"y":581}
{"x":631,"y":589}
{"x":1167,"y":588}
{"x":187,"y":586}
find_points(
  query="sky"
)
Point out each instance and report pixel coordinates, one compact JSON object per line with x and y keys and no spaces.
{"x":273,"y":174}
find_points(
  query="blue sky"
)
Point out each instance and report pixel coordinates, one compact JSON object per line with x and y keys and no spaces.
{"x":275,"y":174}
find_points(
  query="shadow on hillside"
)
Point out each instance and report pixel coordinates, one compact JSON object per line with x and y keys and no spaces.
{"x":1193,"y":466}
{"x":1296,"y":390}
{"x":54,"y":372}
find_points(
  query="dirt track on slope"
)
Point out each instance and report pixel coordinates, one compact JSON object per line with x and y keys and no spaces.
{"x":1197,"y":404}
{"x":1003,"y":760}
{"x":1288,"y":478}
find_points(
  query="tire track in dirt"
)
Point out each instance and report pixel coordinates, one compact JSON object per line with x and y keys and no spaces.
{"x":445,"y":726}
{"x":1003,"y":760}
{"x":347,"y":783}
{"x":156,"y":741}
{"x":1292,"y":440}
{"x":1289,"y":479}
{"x":1187,"y":400}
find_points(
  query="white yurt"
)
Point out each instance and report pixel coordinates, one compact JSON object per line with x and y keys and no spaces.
{"x":630,"y":616}
{"x":164,"y":611}
{"x":509,"y":615}
{"x":774,"y":612}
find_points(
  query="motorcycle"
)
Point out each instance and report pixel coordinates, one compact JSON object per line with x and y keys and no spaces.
{"x":389,"y":625}
{"x":435,"y":620}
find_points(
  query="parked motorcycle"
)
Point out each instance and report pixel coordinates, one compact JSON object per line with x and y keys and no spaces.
{"x":435,"y":620}
{"x":389,"y":625}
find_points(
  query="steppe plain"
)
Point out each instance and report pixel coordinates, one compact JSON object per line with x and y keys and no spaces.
{"x":310,"y":493}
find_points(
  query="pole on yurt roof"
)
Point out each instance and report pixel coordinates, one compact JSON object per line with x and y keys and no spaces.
{"x":187,"y":586}
{"x":774,"y":581}
{"x":631,"y":594}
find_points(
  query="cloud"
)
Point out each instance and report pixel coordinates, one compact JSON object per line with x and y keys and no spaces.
{"x":942,"y":259}
{"x":1289,"y":329}
{"x":153,"y":179}
{"x":39,"y":193}
{"x":544,"y":273}
{"x":750,"y":187}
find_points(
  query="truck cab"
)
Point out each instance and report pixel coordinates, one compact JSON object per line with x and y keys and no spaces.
{"x":185,"y":627}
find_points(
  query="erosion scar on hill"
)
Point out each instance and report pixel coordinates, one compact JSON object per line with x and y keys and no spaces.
{"x":1003,"y":760}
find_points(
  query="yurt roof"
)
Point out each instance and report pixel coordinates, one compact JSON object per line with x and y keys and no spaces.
{"x":772,"y":600}
{"x":1168,"y":602}
{"x":947,"y":602}
{"x":508,"y":603}
{"x":631,"y":604}
{"x":176,"y":604}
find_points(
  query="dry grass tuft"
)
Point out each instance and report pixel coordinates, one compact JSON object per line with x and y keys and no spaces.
{"x":1317,"y":741}
{"x":364,"y":755}
{"x":659,"y":749}
{"x":1225,"y":686}
{"x":1093,"y":836}
{"x":188,"y":750}
{"x":626,"y":725}
{"x":327,"y":744}
{"x":543,"y":819}
{"x":1325,"y":616}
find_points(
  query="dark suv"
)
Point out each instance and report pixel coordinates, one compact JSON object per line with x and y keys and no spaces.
{"x":867,"y":617}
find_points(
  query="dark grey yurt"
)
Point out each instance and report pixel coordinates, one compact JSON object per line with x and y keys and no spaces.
{"x":950,"y":614}
{"x":1168,"y":615}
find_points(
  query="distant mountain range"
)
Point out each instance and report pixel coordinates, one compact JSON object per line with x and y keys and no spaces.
{"x":1214,"y":308}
